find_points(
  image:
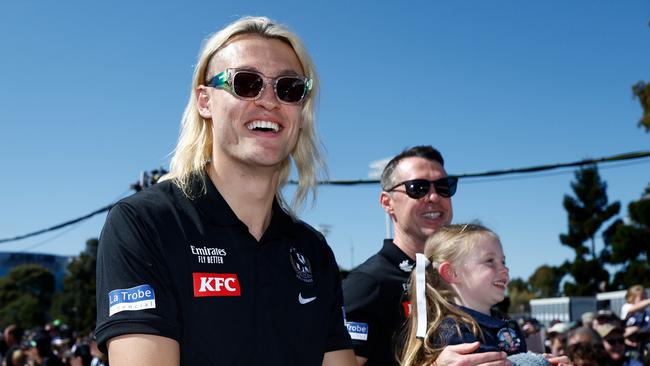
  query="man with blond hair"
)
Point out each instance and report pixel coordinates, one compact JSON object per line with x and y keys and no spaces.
{"x":210,"y":267}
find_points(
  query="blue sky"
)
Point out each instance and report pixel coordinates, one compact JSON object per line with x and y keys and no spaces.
{"x":91,"y":93}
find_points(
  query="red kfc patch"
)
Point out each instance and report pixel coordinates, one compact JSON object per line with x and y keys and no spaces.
{"x":216,"y":284}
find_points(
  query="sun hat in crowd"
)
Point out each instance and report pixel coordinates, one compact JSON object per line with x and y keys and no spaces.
{"x":587,"y":317}
{"x":556,"y":328}
{"x":605,"y":329}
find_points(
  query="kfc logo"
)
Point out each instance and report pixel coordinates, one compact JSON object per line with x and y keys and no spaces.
{"x":215,"y":284}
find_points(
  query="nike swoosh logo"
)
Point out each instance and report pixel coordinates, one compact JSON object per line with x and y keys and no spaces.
{"x":305,"y":300}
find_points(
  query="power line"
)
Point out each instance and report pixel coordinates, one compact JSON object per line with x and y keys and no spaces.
{"x":540,"y":168}
{"x":59,"y":226}
{"x":553,"y":173}
{"x":492,"y":173}
{"x":55,"y":236}
{"x":72,"y":226}
{"x":144,"y":182}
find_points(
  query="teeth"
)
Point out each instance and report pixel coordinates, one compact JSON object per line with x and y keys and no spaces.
{"x":432,"y":215}
{"x":263,"y":125}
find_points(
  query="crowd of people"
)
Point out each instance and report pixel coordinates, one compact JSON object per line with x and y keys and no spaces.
{"x":597,"y":338}
{"x":54,"y":344}
{"x":602,"y":337}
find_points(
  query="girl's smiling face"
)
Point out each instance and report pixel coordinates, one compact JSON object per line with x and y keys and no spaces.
{"x":483,"y":276}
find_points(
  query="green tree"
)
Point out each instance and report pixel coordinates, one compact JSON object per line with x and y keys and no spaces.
{"x":520,"y":296}
{"x":641,"y":90}
{"x":26,"y":296}
{"x":545,"y":281}
{"x":629,"y":244}
{"x":589,"y":277}
{"x":76,"y":304}
{"x":587,"y":212}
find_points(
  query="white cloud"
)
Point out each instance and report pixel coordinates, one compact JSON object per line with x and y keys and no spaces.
{"x":376,"y":167}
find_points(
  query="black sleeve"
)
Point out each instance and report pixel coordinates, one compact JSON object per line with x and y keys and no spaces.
{"x":361,"y":297}
{"x":447,"y":334}
{"x":338,"y":337}
{"x":134,"y":293}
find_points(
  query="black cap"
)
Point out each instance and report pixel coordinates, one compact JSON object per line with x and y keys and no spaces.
{"x":41,"y":341}
{"x":80,"y":350}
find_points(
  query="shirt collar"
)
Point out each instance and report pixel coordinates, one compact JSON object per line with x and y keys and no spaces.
{"x":216,"y":211}
{"x":483,"y":319}
{"x":282,"y":224}
{"x":396,"y":256}
{"x":210,"y":202}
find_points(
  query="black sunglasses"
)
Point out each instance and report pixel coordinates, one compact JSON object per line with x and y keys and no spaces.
{"x":418,"y":188}
{"x":248,"y":85}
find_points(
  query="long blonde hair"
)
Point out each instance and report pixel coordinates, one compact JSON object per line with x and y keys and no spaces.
{"x":194,"y":148}
{"x":451,"y":243}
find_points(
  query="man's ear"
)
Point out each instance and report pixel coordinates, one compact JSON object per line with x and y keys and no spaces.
{"x":203,"y":101}
{"x":447,"y":272}
{"x":386,"y":202}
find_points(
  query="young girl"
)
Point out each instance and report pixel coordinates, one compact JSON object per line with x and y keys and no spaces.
{"x":461,"y":275}
{"x":636,"y":302}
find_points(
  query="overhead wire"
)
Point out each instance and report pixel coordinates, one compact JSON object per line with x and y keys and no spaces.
{"x":348,"y":182}
{"x":70,"y":228}
{"x":67,"y":223}
{"x":55,"y":236}
{"x":544,"y":174}
{"x":532,"y":169}
{"x":59,"y":226}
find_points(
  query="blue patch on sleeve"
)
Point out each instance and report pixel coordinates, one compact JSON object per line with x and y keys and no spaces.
{"x":131,"y":299}
{"x":358,"y":331}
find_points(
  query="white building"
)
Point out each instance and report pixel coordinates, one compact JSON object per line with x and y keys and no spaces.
{"x":570,"y":309}
{"x":565,"y":309}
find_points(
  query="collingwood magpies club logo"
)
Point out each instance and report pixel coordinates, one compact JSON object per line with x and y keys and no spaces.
{"x":301,"y":265}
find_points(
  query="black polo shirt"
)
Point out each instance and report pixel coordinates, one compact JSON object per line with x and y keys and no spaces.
{"x":190,"y":270}
{"x":376,"y":304}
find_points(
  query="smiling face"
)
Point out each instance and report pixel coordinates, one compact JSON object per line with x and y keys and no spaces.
{"x":482,"y":277}
{"x":416,"y":219}
{"x":256,"y":133}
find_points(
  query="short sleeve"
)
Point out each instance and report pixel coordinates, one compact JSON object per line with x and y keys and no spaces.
{"x":134,"y":293}
{"x":625,"y":309}
{"x":338,"y":337}
{"x":447,"y":334}
{"x":361,"y":296}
